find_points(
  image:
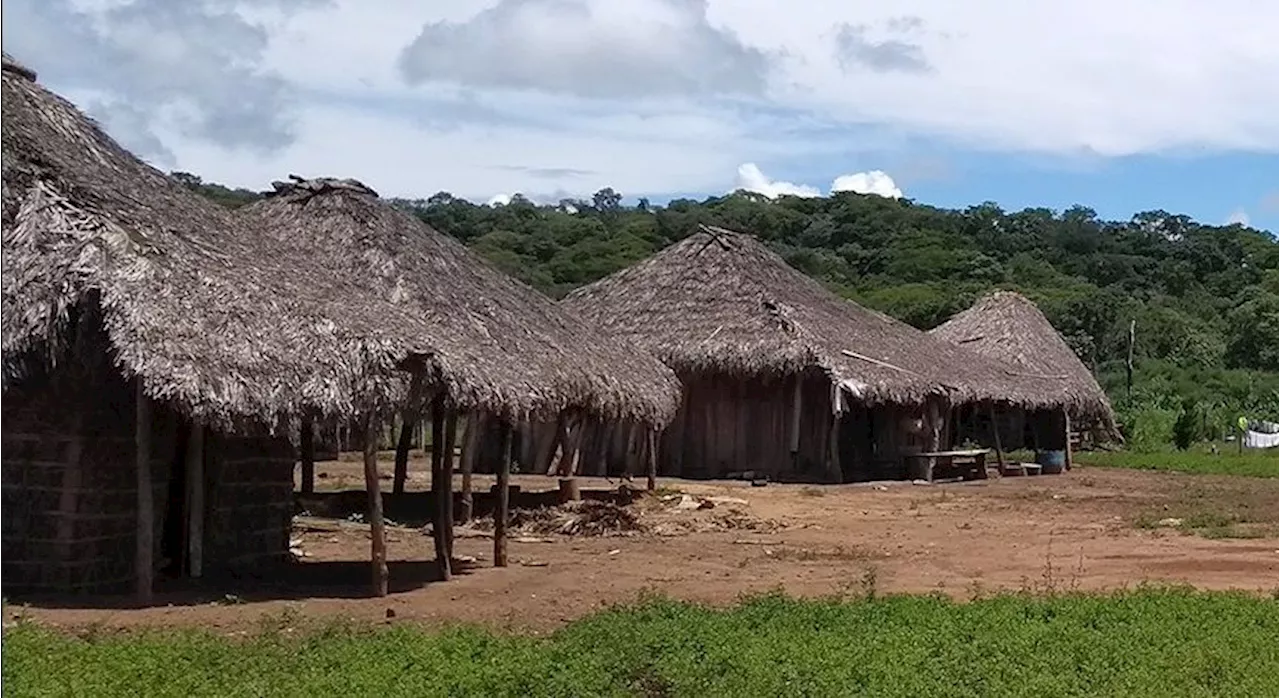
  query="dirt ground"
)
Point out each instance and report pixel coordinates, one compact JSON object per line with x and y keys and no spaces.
{"x":1087,"y":529}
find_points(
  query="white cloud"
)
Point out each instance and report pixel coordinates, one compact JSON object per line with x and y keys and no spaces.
{"x":873,"y":182}
{"x":1238,"y":217}
{"x":615,"y":49}
{"x":499,"y":200}
{"x":752,"y":179}
{"x":649,"y":96}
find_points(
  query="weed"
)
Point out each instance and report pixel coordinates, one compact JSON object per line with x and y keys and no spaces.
{"x":1261,"y":463}
{"x":1149,"y":641}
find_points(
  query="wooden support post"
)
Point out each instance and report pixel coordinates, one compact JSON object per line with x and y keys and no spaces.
{"x":933,"y":435}
{"x":1066,"y":437}
{"x":834,"y":470}
{"x":144,"y":569}
{"x":450,"y":434}
{"x":500,"y":512}
{"x":570,"y":446}
{"x":995,"y":431}
{"x":377,"y":530}
{"x":195,"y":499}
{"x":568,"y":490}
{"x":634,"y":433}
{"x":306,"y":454}
{"x":605,"y":448}
{"x":439,"y":488}
{"x":470,"y":447}
{"x":651,"y":458}
{"x":797,"y":408}
{"x":546,"y":443}
{"x":408,"y":423}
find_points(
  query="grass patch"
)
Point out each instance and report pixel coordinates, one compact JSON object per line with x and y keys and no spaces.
{"x":1148,"y":642}
{"x":1232,"y":509}
{"x":1259,"y":463}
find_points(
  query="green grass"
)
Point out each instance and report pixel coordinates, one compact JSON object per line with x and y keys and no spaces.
{"x":1147,"y":642}
{"x":1251,"y":463}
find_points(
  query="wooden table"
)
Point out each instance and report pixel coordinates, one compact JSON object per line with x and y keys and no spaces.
{"x":971,"y":462}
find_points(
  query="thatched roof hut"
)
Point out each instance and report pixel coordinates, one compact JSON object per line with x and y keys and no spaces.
{"x":1007,"y":327}
{"x":213,"y":321}
{"x":494,"y":343}
{"x":722,"y":302}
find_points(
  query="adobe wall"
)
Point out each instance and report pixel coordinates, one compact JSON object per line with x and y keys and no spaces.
{"x":68,"y":494}
{"x":248,"y":501}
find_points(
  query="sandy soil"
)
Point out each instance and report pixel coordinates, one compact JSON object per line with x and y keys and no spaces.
{"x":1088,"y":529}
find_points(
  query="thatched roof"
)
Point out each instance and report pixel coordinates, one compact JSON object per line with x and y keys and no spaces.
{"x":212,"y":321}
{"x":1008,"y":328}
{"x":722,"y":302}
{"x":494,"y":342}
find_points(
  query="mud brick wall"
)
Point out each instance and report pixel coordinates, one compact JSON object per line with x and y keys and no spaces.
{"x":69,"y":490}
{"x":249,"y":505}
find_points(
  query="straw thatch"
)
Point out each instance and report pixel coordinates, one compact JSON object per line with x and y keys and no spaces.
{"x":722,"y":302}
{"x":1009,"y":328}
{"x":213,"y":321}
{"x":495,"y":343}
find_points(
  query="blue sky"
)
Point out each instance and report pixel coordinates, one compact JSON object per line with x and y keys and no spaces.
{"x":1050,"y":103}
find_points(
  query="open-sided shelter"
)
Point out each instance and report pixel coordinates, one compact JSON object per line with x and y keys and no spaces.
{"x":498,"y":351}
{"x":1010,"y":330}
{"x":782,"y":377}
{"x":150,"y":351}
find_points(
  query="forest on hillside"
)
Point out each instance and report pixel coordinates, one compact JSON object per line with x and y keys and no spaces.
{"x":1202,"y":298}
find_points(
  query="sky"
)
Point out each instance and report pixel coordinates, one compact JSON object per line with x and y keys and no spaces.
{"x":1120,"y":105}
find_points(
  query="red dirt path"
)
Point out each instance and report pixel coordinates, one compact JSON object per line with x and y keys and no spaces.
{"x":1075,"y":531}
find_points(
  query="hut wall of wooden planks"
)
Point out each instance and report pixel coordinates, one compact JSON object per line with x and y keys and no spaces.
{"x":729,"y":427}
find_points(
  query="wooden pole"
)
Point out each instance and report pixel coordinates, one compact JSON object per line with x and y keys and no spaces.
{"x":570,"y":445}
{"x":408,"y":422}
{"x":500,"y":512}
{"x":195,"y":499}
{"x":470,"y":446}
{"x":568,"y":490}
{"x":834,"y":469}
{"x":143,"y":564}
{"x":450,"y":434}
{"x":651,"y":459}
{"x":933,"y":414}
{"x":794,"y":435}
{"x":547,"y":442}
{"x":307,"y":455}
{"x":1128,"y":364}
{"x":995,"y":431}
{"x":377,"y":531}
{"x":1066,"y":435}
{"x":439,"y":488}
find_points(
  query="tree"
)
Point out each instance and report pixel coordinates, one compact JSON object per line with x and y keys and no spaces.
{"x":606,"y":200}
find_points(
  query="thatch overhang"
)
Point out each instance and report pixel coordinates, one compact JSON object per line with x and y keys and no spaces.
{"x":219,"y":324}
{"x":1009,"y":329}
{"x":495,"y":343}
{"x":721,"y":302}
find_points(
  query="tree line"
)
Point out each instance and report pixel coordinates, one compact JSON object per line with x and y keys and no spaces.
{"x":1202,"y":298}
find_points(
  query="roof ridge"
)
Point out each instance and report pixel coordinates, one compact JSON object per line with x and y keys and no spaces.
{"x":319,"y":185}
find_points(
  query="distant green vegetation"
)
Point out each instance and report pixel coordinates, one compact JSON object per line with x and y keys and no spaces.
{"x":1251,"y":463}
{"x":1159,"y":643}
{"x":1203,"y":297}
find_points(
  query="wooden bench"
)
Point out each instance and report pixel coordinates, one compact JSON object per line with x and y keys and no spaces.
{"x":972,"y":463}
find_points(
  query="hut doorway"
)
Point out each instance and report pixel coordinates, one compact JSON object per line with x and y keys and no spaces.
{"x":182,"y":529}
